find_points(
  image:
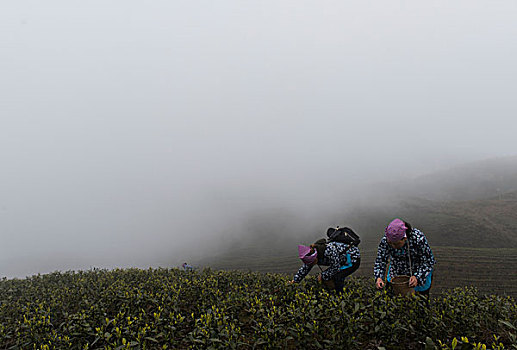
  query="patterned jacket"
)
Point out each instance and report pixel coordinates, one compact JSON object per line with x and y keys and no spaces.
{"x":336,"y":256}
{"x":422,"y":259}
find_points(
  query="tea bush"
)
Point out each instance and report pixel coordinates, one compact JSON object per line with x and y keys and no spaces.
{"x":174,"y":309}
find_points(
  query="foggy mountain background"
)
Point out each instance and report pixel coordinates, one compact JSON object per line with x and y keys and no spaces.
{"x":137,"y":134}
{"x":472,"y":205}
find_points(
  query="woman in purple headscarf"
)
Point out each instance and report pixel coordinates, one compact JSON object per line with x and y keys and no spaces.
{"x":342,"y":260}
{"x":408,"y":253}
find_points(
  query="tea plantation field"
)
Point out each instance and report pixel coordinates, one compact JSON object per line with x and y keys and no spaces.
{"x":173,"y":309}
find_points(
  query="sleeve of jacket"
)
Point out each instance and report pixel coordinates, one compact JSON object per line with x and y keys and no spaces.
{"x":426,"y":259}
{"x":333,"y":252}
{"x":381,"y":262}
{"x":302,"y":272}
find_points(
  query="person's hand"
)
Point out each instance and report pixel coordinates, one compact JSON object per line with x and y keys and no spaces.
{"x":379,"y":283}
{"x":319,"y":277}
{"x":291,"y":282}
{"x":413,"y":281}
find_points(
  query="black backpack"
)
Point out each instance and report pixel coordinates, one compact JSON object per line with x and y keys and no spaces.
{"x":343,"y":235}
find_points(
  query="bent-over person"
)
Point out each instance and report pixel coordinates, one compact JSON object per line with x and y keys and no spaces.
{"x":342,"y":260}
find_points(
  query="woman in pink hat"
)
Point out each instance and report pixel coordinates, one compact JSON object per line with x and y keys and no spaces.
{"x":408,"y":253}
{"x":342,"y":260}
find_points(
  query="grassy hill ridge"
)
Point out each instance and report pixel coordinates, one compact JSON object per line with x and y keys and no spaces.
{"x":475,"y":180}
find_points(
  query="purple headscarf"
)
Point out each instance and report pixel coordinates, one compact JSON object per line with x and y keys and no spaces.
{"x":303,"y":250}
{"x":396,"y":230}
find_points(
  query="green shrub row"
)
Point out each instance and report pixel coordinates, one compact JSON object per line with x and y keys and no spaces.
{"x":174,"y":309}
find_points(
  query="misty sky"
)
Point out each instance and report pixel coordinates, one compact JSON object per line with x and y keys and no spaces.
{"x":132,"y":133}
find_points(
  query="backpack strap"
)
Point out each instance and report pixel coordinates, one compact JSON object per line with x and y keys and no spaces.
{"x":409,"y":255}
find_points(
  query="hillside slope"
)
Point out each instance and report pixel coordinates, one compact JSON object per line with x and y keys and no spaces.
{"x":473,"y":232}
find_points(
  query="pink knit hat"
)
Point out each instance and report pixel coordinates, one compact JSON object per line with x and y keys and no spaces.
{"x":303,"y":252}
{"x":396,"y":230}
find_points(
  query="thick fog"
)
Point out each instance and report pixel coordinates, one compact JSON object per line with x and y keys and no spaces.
{"x":138,"y":133}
